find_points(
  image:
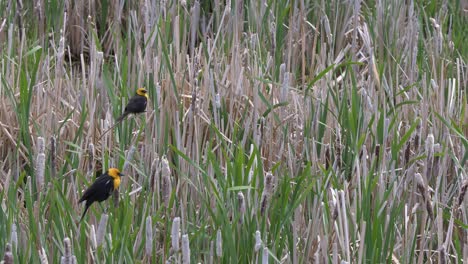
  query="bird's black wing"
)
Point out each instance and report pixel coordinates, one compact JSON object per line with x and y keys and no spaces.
{"x":136,"y":104}
{"x":100,"y":190}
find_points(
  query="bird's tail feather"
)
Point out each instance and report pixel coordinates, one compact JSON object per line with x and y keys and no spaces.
{"x":116,"y":123}
{"x":85,"y":210}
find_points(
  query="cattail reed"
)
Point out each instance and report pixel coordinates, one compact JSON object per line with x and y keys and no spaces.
{"x":40,"y":164}
{"x":101,"y":231}
{"x":377,"y":153}
{"x":53,"y":157}
{"x":8,"y":257}
{"x":92,"y":237}
{"x":423,"y":189}
{"x":185,"y":249}
{"x":463,"y":189}
{"x":149,"y":236}
{"x":258,"y":241}
{"x":14,"y":236}
{"x":442,"y":255}
{"x":129,"y":157}
{"x":334,"y":204}
{"x":267,"y":191}
{"x":417,"y":137}
{"x":91,"y":154}
{"x":175,"y":233}
{"x":194,"y":22}
{"x":241,"y":202}
{"x":327,"y":157}
{"x":217,"y":101}
{"x":326,"y":25}
{"x":166,"y":187}
{"x":429,"y":155}
{"x":68,"y":258}
{"x":40,"y":145}
{"x":407,"y":152}
{"x":265,"y":256}
{"x":43,"y":256}
{"x":219,"y":244}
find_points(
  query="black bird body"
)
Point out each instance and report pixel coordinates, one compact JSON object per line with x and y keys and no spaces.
{"x":136,"y":105}
{"x":101,"y":189}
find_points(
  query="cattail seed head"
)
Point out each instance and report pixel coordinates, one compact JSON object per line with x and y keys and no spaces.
{"x":101,"y":231}
{"x":217,"y":101}
{"x":40,"y":145}
{"x":327,"y":157}
{"x":421,"y":185}
{"x":40,"y":169}
{"x":43,"y":256}
{"x":430,"y":143}
{"x":185,"y":249}
{"x":267,"y":191}
{"x":14,"y":236}
{"x":8,"y":257}
{"x":334,"y":204}
{"x":92,"y":235}
{"x":442,"y":255}
{"x":68,"y":258}
{"x":407,"y":152}
{"x":423,"y":189}
{"x":53,"y":156}
{"x":241,"y":201}
{"x":265,"y":256}
{"x":129,"y":157}
{"x":219,"y":244}
{"x":463,"y":189}
{"x":175,"y":233}
{"x":166,"y":187}
{"x":149,"y":237}
{"x":91,"y":155}
{"x":269,"y":182}
{"x":258,"y":241}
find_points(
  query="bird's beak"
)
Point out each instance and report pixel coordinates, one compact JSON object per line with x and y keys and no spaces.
{"x":121,"y":174}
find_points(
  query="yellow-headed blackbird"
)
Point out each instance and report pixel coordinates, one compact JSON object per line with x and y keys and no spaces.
{"x":101,"y":189}
{"x":136,"y":105}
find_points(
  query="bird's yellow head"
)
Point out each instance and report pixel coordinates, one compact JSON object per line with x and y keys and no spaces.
{"x":142,"y":92}
{"x":115,"y":174}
